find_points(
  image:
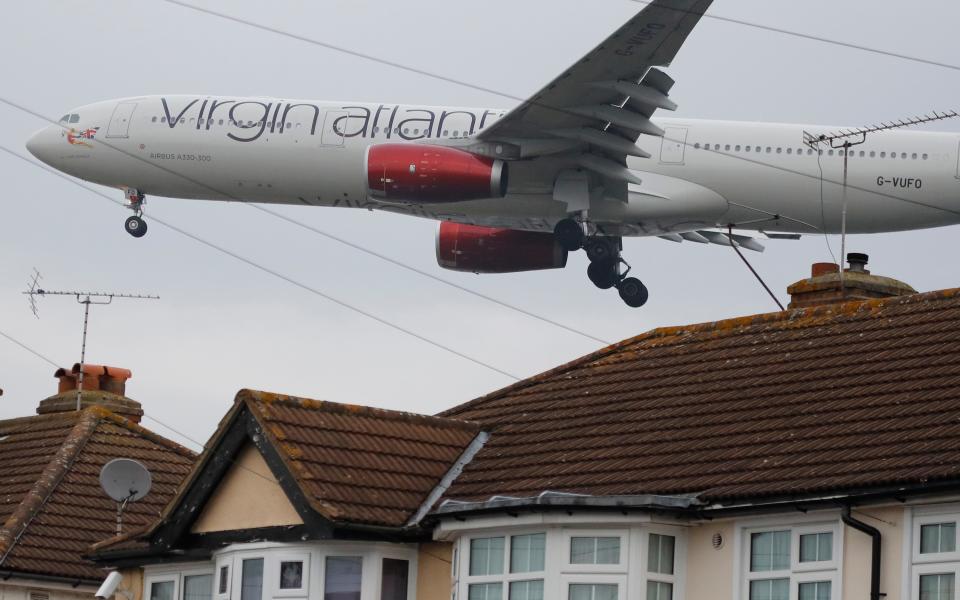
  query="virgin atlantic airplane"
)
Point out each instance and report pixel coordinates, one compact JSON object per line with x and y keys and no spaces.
{"x":578,"y":166}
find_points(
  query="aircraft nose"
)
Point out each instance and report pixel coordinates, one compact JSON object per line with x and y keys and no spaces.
{"x":40,"y":144}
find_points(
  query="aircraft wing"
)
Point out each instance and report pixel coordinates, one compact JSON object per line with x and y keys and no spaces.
{"x":606,"y":99}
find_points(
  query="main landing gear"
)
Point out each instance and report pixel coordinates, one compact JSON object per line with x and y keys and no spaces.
{"x":605,"y":270}
{"x":135,"y":225}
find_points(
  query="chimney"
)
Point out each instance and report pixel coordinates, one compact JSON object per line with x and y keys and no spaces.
{"x":823,"y":287}
{"x":102,"y":386}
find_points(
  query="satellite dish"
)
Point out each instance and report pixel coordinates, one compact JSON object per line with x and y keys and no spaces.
{"x":125,"y":480}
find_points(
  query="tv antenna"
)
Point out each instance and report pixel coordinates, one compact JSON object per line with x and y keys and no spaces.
{"x":845,"y":139}
{"x":86,"y":299}
{"x":125,"y":480}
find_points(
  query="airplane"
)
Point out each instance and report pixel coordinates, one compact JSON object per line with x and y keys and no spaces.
{"x":580,"y":165}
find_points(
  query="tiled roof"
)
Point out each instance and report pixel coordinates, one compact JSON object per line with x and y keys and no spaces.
{"x":361,"y":465}
{"x":844,"y":397}
{"x":51,"y":505}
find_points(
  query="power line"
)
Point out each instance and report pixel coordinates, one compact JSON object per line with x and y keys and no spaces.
{"x":810,"y":37}
{"x":455,"y":81}
{"x":277,"y":274}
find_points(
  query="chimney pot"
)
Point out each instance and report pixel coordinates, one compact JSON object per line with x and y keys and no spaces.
{"x":821,"y":269}
{"x":102,"y":386}
{"x":858,"y":262}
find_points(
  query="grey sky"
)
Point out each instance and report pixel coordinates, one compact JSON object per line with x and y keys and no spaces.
{"x":223,"y":325}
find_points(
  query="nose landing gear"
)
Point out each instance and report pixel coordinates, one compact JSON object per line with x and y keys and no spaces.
{"x":135,"y":225}
{"x":605,"y":270}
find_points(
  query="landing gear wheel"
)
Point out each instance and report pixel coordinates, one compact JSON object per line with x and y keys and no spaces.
{"x":600,"y":250}
{"x":569,"y":234}
{"x":603,"y":274}
{"x":136,"y":227}
{"x":633,"y":292}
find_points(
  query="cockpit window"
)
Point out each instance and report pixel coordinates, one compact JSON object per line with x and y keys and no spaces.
{"x":65,"y":119}
{"x":74,"y":118}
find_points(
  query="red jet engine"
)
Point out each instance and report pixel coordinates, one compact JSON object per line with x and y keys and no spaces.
{"x":491,"y":250}
{"x":422,"y":174}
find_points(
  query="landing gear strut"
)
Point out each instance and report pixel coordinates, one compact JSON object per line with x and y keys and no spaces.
{"x":607,"y":268}
{"x":135,"y":225}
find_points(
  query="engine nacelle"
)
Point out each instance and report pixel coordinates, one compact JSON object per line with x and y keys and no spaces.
{"x":491,"y":250}
{"x":423,"y":174}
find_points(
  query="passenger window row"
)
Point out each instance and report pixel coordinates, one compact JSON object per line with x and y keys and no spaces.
{"x":808,"y":151}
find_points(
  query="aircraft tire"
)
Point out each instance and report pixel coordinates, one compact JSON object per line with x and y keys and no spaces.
{"x":136,"y":227}
{"x":599,"y":250}
{"x":569,"y":235}
{"x":603,"y":274}
{"x":633,"y":292}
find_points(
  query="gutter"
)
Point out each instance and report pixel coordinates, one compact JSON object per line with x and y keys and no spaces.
{"x":566,"y":500}
{"x":874,"y":533}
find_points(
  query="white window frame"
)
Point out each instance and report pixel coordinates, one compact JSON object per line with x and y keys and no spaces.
{"x":798,"y":572}
{"x":411,"y":572}
{"x":933,"y":519}
{"x":222,"y":562}
{"x":819,"y":566}
{"x":677,"y":578}
{"x":932,"y":569}
{"x":506,"y":577}
{"x":928,"y":564}
{"x":238,"y":573}
{"x":619,"y":580}
{"x":812,"y":576}
{"x":278,"y":560}
{"x":570,"y":567}
{"x":160,"y":578}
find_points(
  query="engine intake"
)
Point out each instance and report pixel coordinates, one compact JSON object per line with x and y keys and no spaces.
{"x":491,"y":250}
{"x":418,"y":173}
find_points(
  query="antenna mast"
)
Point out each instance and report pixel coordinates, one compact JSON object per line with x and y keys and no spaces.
{"x":86,"y":299}
{"x":845,"y":139}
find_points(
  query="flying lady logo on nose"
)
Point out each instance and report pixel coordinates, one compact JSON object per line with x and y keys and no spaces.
{"x":76,"y":138}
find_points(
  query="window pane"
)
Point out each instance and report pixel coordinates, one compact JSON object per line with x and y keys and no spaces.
{"x":770,"y":551}
{"x":595,"y":550}
{"x":770,"y":589}
{"x":527,"y":553}
{"x":485,"y":591}
{"x":816,"y":547}
{"x":608,"y":551}
{"x":937,"y":587}
{"x":657,"y":590}
{"x":526,"y":590}
{"x":291,"y":575}
{"x":251,"y":579}
{"x":815,"y":590}
{"x":396,"y":579}
{"x":938,"y":537}
{"x":342,"y":578}
{"x":583,"y":550}
{"x":224,"y":579}
{"x":197,"y":587}
{"x":486,"y":556}
{"x":660,"y":554}
{"x":593,"y":591}
{"x":161,"y":590}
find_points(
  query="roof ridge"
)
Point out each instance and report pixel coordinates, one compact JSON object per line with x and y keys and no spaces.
{"x":267,"y":398}
{"x":108,"y":415}
{"x":17,"y":523}
{"x":732,"y":324}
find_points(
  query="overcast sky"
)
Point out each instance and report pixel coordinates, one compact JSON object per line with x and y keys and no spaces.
{"x":222,"y":325}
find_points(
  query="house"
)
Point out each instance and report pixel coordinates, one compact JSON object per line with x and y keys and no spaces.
{"x":51,"y":505}
{"x":811,"y":454}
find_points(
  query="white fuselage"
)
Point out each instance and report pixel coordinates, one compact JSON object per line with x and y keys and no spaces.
{"x":701,"y":174}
